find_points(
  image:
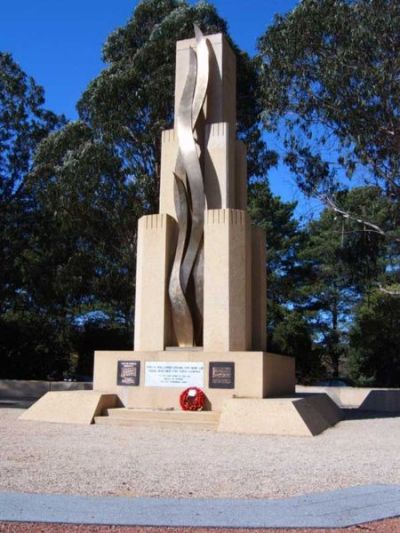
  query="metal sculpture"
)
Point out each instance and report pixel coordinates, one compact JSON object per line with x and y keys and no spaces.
{"x":186,"y":280}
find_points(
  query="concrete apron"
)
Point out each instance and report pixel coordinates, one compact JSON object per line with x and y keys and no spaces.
{"x":339,"y":508}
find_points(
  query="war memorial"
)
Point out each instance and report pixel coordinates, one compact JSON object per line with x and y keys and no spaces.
{"x":200,"y":360}
{"x":200,"y":311}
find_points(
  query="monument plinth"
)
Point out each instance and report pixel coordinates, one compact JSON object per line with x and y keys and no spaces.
{"x":200,"y":308}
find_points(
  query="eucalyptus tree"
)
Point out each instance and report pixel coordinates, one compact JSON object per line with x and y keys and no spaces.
{"x":131,"y":101}
{"x":341,"y":262}
{"x":24,"y":122}
{"x":374,"y":358}
{"x":331,"y":73}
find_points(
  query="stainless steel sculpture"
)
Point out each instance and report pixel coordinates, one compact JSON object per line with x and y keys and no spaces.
{"x":186,"y":281}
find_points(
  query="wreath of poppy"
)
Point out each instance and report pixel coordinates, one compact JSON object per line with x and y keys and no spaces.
{"x":192,"y":399}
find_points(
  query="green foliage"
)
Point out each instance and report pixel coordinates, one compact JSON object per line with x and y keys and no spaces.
{"x":374,"y":357}
{"x":61,"y":256}
{"x":283,"y":237}
{"x":29,"y":344}
{"x":23,"y":124}
{"x":292,"y":335}
{"x":83,"y":226}
{"x":331,"y":71}
{"x":100,"y":334}
{"x":288,"y":331}
{"x":341,"y":260}
{"x":32,"y":346}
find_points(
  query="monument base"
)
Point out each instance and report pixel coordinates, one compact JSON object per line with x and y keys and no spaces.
{"x":301,"y":416}
{"x":250,"y":405}
{"x":70,"y":407}
{"x":155,"y":380}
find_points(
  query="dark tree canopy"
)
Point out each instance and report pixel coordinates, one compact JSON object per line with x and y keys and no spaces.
{"x":24,"y":122}
{"x":374,"y":358}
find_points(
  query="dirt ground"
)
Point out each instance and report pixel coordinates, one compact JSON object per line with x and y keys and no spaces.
{"x":383,"y":526}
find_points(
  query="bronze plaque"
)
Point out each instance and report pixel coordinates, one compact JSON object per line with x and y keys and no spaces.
{"x":128,"y":373}
{"x":221,"y":375}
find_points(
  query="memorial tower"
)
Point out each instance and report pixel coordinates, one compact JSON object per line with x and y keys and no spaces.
{"x":200,"y":307}
{"x":200,"y":278}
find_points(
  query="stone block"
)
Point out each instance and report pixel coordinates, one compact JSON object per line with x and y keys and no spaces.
{"x":366,"y":399}
{"x":220,"y":105}
{"x":301,"y":416}
{"x":240,"y":176}
{"x":219,"y":183}
{"x":154,"y":250}
{"x":169,"y":153}
{"x":226,"y":293}
{"x":258,"y":289}
{"x":70,"y":407}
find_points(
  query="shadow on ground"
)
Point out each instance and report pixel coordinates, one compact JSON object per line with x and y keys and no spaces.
{"x":363,"y":414}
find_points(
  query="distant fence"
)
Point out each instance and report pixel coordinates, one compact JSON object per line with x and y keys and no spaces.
{"x":18,"y":389}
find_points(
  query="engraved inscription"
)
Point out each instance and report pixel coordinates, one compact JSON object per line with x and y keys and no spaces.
{"x":128,"y":373}
{"x":221,"y":375}
{"x":174,"y":374}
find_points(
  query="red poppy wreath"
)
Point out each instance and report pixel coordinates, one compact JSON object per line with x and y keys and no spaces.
{"x":192,"y":399}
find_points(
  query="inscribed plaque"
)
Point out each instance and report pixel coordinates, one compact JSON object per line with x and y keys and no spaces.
{"x":174,"y":374}
{"x":128,"y":373}
{"x":221,"y":375}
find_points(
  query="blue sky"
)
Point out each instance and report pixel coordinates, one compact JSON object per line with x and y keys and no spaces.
{"x":59,"y":44}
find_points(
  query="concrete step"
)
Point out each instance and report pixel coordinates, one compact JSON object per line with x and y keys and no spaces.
{"x":161,"y":418}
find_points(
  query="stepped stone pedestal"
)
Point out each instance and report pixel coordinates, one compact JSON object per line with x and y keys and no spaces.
{"x":238,"y":375}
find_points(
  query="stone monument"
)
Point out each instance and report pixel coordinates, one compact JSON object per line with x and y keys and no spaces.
{"x":200,"y":308}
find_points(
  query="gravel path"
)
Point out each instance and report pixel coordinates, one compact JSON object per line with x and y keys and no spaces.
{"x":145,"y":461}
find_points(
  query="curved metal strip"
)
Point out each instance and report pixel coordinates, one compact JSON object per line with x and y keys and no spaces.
{"x":198,"y":286}
{"x":181,"y":315}
{"x":200,"y":91}
{"x":194,"y":174}
{"x":186,"y":301}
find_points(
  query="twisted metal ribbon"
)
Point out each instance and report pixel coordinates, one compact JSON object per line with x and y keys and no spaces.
{"x":186,"y":301}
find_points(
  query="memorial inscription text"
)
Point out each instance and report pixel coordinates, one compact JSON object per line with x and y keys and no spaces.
{"x":128,"y":373}
{"x":221,"y":375}
{"x":174,"y":374}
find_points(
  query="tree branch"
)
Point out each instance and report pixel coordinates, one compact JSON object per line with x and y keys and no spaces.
{"x":389,"y":291}
{"x":345,"y":214}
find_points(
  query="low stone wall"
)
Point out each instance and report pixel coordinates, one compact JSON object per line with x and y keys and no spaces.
{"x":367,"y":399}
{"x":23,"y":389}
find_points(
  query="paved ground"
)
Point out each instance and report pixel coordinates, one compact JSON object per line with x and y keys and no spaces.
{"x":339,"y":508}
